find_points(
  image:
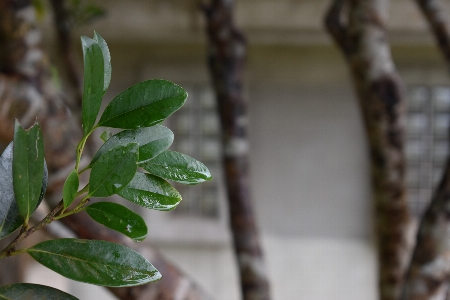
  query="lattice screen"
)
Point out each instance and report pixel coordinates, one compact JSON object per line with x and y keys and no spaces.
{"x":427,"y":141}
{"x":197,"y":133}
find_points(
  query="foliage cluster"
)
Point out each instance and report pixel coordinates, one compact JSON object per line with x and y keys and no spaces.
{"x":116,"y":168}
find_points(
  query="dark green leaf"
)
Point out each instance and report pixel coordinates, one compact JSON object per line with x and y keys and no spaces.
{"x":119,"y":218}
{"x":151,"y":192}
{"x":70,"y":188}
{"x":144,"y":104}
{"x":95,"y":262}
{"x":106,"y":135}
{"x":106,"y":60}
{"x":28,"y":291}
{"x":177,"y":167}
{"x":113,"y":170}
{"x":93,"y":82}
{"x":10,"y":218}
{"x":28,"y":168}
{"x":151,"y":140}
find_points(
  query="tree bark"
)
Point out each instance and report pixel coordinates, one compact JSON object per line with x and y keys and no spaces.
{"x":65,"y":49}
{"x":438,"y":23}
{"x":227,"y":53}
{"x":429,"y":273}
{"x":428,"y":276}
{"x":27,"y":91}
{"x":363,"y":40}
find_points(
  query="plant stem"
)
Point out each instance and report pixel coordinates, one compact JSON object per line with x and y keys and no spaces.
{"x":78,"y":209}
{"x":17,"y":252}
{"x":25,"y":232}
{"x":82,"y":191}
{"x":80,"y":148}
{"x":86,"y":168}
{"x":82,"y":202}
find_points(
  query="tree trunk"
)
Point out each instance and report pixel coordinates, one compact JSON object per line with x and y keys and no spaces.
{"x":65,"y":49}
{"x":27,"y":91}
{"x":428,"y":276}
{"x":227,"y":53}
{"x":364,"y":42}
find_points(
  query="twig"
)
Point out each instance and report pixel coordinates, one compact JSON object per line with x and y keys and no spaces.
{"x":25,"y":232}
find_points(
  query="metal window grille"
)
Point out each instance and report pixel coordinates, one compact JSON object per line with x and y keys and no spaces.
{"x":427,"y":142}
{"x":197,"y":133}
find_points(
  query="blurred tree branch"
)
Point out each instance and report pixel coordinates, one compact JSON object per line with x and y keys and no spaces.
{"x":361,"y":34}
{"x":438,"y":22}
{"x":63,"y":28}
{"x":227,"y":54}
{"x":428,"y":275}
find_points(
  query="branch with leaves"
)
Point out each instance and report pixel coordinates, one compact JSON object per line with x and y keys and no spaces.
{"x":142,"y":143}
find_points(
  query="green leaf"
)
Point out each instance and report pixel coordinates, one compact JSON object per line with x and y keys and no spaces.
{"x":95,"y":262}
{"x":70,"y":188}
{"x":106,"y":60}
{"x":113,"y":170}
{"x":93,"y":82}
{"x":106,"y":135}
{"x":28,"y":168}
{"x":151,"y":140}
{"x":119,"y":218}
{"x":151,"y":192}
{"x":28,"y":291}
{"x":10,"y":218}
{"x":144,"y":104}
{"x":177,"y":167}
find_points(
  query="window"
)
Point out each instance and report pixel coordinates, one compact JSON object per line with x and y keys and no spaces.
{"x":197,"y":133}
{"x":427,"y":142}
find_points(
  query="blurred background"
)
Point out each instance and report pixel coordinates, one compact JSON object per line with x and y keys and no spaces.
{"x":309,"y":159}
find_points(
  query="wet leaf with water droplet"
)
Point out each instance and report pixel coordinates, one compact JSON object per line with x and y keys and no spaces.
{"x":28,"y":291}
{"x":119,"y":218}
{"x":95,"y":262}
{"x":177,"y":167}
{"x":113,"y":170}
{"x":27,"y":168}
{"x":144,"y":104}
{"x":151,"y":192}
{"x":152,"y":141}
